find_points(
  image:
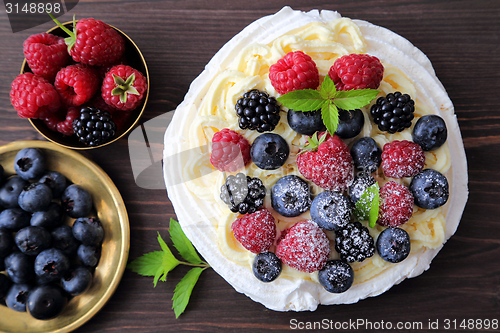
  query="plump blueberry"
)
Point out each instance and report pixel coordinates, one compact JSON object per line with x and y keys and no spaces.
{"x":291,"y":196}
{"x":51,"y":264}
{"x":76,"y":201}
{"x":430,"y":132}
{"x":33,"y":240}
{"x":17,"y":297}
{"x":331,"y":210}
{"x":5,"y":284}
{"x":361,"y":182}
{"x":77,"y":281}
{"x":306,"y":123}
{"x":336,"y":276}
{"x":393,"y":245}
{"x":266,"y":267}
{"x":62,"y":239}
{"x":14,"y":219}
{"x":30,"y":163}
{"x":46,"y":302}
{"x":35,"y":197}
{"x":88,"y":230}
{"x":88,"y":255}
{"x":9,"y":192}
{"x":19,"y":267}
{"x":350,"y":123}
{"x":48,"y":218}
{"x":366,"y":155}
{"x":6,"y":243}
{"x":429,"y":189}
{"x":56,"y":181}
{"x":269,"y":151}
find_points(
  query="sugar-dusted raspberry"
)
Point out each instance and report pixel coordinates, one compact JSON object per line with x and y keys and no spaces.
{"x":402,"y":159}
{"x":296,"y":70}
{"x":230,"y":150}
{"x":396,"y":204}
{"x":76,"y":84}
{"x":304,"y":247}
{"x":46,"y":54}
{"x":256,"y":232}
{"x":66,"y":126}
{"x":356,"y":71}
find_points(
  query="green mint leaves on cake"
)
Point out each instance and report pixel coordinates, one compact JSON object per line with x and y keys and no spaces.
{"x":367,"y":206}
{"x":328,"y":100}
{"x":160,"y":263}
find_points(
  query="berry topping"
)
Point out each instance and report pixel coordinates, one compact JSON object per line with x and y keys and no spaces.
{"x":429,"y":189}
{"x":266,"y":267}
{"x":76,"y":84}
{"x":430,"y":132}
{"x":396,"y":204}
{"x":269,"y":151}
{"x":124,"y":87}
{"x":354,"y":243}
{"x":256,"y":232}
{"x":296,"y":70}
{"x":230,"y":150}
{"x":394,"y":112}
{"x":243,"y":194}
{"x":256,"y":110}
{"x":304,"y":247}
{"x":290,"y":196}
{"x":402,"y":159}
{"x":366,"y":155}
{"x":336,"y":277}
{"x":94,"y":127}
{"x":331,"y":210}
{"x":393,"y":245}
{"x":306,"y":123}
{"x":46,"y":54}
{"x":350,"y":123}
{"x":361,"y":182}
{"x":356,"y":71}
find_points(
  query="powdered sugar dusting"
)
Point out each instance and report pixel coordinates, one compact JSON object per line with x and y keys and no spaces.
{"x":402,"y":159}
{"x":396,"y":204}
{"x":256,"y":232}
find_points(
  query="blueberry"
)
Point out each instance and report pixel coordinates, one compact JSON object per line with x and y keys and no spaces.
{"x":51,"y":264}
{"x":14,"y":219}
{"x":56,"y":181}
{"x":269,"y":151}
{"x":393,"y":245}
{"x":17,"y":297}
{"x":366,"y":155}
{"x":88,"y":255}
{"x":266,"y":267}
{"x":331,"y":210}
{"x":2,"y":174}
{"x":361,"y":182}
{"x":77,"y":281}
{"x":88,"y":231}
{"x":6,"y":243}
{"x":5,"y":284}
{"x":62,"y":239}
{"x":48,"y":218}
{"x":350,"y":123}
{"x":30,"y":163}
{"x":306,"y":123}
{"x":19,"y":267}
{"x":429,"y":189}
{"x":33,"y":240}
{"x":430,"y":132}
{"x":290,"y":196}
{"x":9,"y":192}
{"x":76,"y":201}
{"x":46,"y":302}
{"x":336,"y":276}
{"x":35,"y":197}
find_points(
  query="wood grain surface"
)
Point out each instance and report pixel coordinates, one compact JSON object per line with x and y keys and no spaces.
{"x":177,"y":38}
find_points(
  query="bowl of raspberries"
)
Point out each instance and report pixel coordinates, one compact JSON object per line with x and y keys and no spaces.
{"x":83,"y":84}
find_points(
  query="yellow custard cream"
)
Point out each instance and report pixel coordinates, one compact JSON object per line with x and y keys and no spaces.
{"x":243,"y":64}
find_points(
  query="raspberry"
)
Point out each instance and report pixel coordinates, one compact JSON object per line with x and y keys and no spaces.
{"x":296,"y":70}
{"x":356,"y":71}
{"x":124,"y":87}
{"x":256,"y":232}
{"x":402,"y":159}
{"x":46,"y":54}
{"x":33,"y":97}
{"x":51,"y":122}
{"x":66,"y":126}
{"x":327,"y":163}
{"x":396,"y":204}
{"x":230,"y":150}
{"x":304,"y":247}
{"x":76,"y":84}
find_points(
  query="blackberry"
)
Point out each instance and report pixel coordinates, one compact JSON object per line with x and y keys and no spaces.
{"x":394,"y":112}
{"x":94,"y":127}
{"x":354,"y":243}
{"x":256,"y":110}
{"x":243,"y":194}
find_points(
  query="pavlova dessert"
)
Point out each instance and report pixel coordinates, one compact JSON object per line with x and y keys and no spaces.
{"x":316,"y":160}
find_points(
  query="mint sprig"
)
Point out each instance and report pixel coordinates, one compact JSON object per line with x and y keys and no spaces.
{"x":367,"y":207}
{"x":160,"y":263}
{"x":328,"y":100}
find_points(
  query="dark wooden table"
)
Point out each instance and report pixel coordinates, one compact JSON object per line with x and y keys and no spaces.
{"x":177,"y":38}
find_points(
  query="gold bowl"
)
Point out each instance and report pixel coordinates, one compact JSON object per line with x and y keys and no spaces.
{"x":110,"y":209}
{"x":134,"y":58}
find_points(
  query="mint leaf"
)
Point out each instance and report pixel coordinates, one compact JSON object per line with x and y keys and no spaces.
{"x":367,"y":207}
{"x":302,"y":100}
{"x":148,"y":264}
{"x":330,"y":116}
{"x":183,"y":290}
{"x":182,"y":243}
{"x":169,"y":262}
{"x":354,"y":99}
{"x":328,"y":89}
{"x":373,"y":215}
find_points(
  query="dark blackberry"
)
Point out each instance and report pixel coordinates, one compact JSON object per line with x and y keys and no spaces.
{"x":243,"y":194}
{"x":94,"y":127}
{"x":354,"y":243}
{"x":256,"y":110}
{"x":394,"y":112}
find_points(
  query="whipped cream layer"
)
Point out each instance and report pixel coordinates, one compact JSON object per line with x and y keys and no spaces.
{"x":242,"y":64}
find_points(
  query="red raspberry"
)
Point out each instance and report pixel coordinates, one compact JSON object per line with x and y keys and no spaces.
{"x":66,"y":126}
{"x":76,"y":84}
{"x":46,"y":54}
{"x":256,"y":231}
{"x":230,"y":150}
{"x":396,"y":204}
{"x":34,"y":97}
{"x":51,"y":122}
{"x":304,"y":247}
{"x":296,"y":70}
{"x":356,"y":71}
{"x":327,"y":162}
{"x":402,"y":159}
{"x":124,"y":87}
